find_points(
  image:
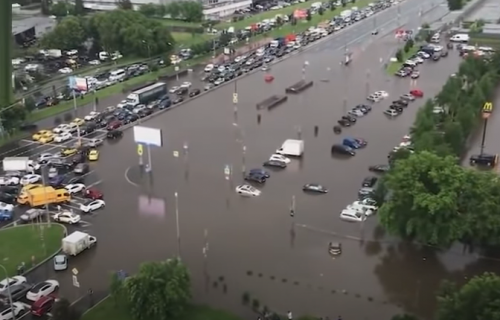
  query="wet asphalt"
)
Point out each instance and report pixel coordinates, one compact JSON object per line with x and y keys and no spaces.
{"x":253,"y":244}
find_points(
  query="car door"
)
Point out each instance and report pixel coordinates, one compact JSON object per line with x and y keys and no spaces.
{"x":47,"y":288}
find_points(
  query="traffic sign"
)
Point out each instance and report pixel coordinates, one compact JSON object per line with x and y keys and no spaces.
{"x":227,"y":170}
{"x":75,"y":282}
{"x":487,"y":109}
{"x":140,"y":150}
{"x":176,"y":154}
{"x":235,"y":97}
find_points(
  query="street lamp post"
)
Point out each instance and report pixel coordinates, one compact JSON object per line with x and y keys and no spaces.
{"x":9,"y":293}
{"x":177,"y":227}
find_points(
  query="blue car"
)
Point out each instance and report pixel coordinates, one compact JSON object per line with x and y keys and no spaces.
{"x":261,"y":172}
{"x":56,"y":181}
{"x":5,"y":215}
{"x":351,"y":143}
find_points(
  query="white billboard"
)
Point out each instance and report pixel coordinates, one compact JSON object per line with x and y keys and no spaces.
{"x":148,"y":136}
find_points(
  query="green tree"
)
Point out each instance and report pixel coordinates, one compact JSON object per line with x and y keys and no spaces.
{"x":62,"y":310}
{"x":309,"y":16}
{"x":12,"y":117}
{"x":174,"y":10}
{"x":124,"y":4}
{"x":68,"y":34}
{"x":62,"y":9}
{"x":321,"y":11}
{"x":399,"y":55}
{"x":45,"y":7}
{"x":332,"y":6}
{"x":407,"y":47}
{"x":477,"y":299}
{"x":149,"y":10}
{"x":79,"y":7}
{"x":160,"y":290}
{"x":191,"y":11}
{"x":425,"y":190}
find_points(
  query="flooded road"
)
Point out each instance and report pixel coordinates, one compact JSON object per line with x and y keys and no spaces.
{"x":234,"y":245}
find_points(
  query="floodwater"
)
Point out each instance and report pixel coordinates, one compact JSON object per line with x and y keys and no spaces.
{"x":234,"y":245}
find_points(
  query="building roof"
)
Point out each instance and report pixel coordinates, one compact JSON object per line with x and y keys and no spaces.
{"x":41,"y":24}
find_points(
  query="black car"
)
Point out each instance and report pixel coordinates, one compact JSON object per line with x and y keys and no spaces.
{"x":8,"y":198}
{"x":71,"y":178}
{"x":178,"y":100}
{"x":275,"y":163}
{"x":444,"y":53}
{"x":396,"y":107}
{"x":382,"y":168}
{"x":81,"y":168}
{"x":349,"y":118}
{"x":341,"y":149}
{"x":401,"y":102}
{"x":14,"y":190}
{"x":17,"y":292}
{"x":314,"y":187}
{"x":145,"y":112}
{"x":194,"y":92}
{"x":87,"y":128}
{"x":260,"y":178}
{"x":79,"y":157}
{"x":114,"y":134}
{"x":436,"y":57}
{"x":364,"y":108}
{"x":182,"y":91}
{"x":344,"y":123}
{"x":369,"y":182}
{"x":489,"y":160}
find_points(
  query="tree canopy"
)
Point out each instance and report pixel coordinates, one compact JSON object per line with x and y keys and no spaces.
{"x":477,"y":299}
{"x":160,"y":290}
{"x":126,"y":31}
{"x":427,"y":195}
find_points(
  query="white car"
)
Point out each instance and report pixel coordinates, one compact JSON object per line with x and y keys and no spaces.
{"x":7,"y":314}
{"x":33,"y":165}
{"x":222,"y":68}
{"x":92,"y":205}
{"x":5,"y":207}
{"x":42,"y":289}
{"x":75,"y":188}
{"x":356,"y":113}
{"x":61,"y":128}
{"x":408,"y":97}
{"x":122,"y":104}
{"x":9,"y":181}
{"x":361,"y":209}
{"x":94,"y":62}
{"x":374,"y":98}
{"x":139,"y":108}
{"x":67,"y":217}
{"x":65,"y":70}
{"x":95,"y":142}
{"x":247,"y":190}
{"x":209,"y":68}
{"x":423,"y":54}
{"x":238,"y":59}
{"x":45,"y":156}
{"x":174,"y":89}
{"x":365,"y":204}
{"x":382,"y":93}
{"x":279,"y":157}
{"x":63,"y":136}
{"x":352,"y":215}
{"x":30,"y":179}
{"x":91,"y":116}
{"x":186,"y":84}
{"x":13,"y":281}
{"x":391,"y":113}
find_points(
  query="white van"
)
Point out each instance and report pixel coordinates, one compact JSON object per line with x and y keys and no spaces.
{"x":316,"y":5}
{"x":462,"y":37}
{"x":117,"y":75}
{"x":292,"y":148}
{"x":435,"y":38}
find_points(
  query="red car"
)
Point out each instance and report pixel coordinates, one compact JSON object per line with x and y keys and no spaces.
{"x":417,"y":93}
{"x":114,"y":125}
{"x":42,"y":306}
{"x":93,"y":194}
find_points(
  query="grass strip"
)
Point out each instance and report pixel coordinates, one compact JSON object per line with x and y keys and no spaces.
{"x":393,"y":67}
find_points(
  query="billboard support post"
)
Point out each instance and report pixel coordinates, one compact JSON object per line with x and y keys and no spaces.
{"x":487,"y":110}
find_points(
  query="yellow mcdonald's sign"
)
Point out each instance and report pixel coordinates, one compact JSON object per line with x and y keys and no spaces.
{"x":488,"y":107}
{"x":139,"y":149}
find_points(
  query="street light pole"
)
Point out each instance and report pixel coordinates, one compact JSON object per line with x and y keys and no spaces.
{"x":177,"y":227}
{"x":9,"y":293}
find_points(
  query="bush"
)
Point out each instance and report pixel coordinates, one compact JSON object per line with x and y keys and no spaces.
{"x":399,"y":55}
{"x":407,"y":47}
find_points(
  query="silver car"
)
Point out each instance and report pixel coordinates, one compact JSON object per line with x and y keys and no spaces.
{"x":60,"y":262}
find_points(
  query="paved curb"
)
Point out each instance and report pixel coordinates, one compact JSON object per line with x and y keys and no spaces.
{"x":38,"y":265}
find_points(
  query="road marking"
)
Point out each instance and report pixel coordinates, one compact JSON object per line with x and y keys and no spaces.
{"x":94,"y":184}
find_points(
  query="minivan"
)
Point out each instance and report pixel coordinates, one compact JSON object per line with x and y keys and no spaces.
{"x":462,"y":37}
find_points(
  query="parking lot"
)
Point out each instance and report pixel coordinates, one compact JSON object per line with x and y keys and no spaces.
{"x":279,"y":257}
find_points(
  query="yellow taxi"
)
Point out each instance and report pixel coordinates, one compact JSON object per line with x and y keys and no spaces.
{"x":78,"y":121}
{"x":48,"y":137}
{"x":68,"y":151}
{"x":37,"y":136}
{"x":93,"y":155}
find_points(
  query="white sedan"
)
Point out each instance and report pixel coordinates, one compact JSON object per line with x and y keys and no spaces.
{"x":95,"y":142}
{"x":45,"y":156}
{"x":9,"y":181}
{"x":67,"y":217}
{"x":174,"y":89}
{"x":382,"y":93}
{"x":30,"y":179}
{"x":92,"y":205}
{"x":364,"y":204}
{"x":63,"y":136}
{"x":33,"y":165}
{"x":279,"y":157}
{"x":42,"y":289}
{"x":186,"y":84}
{"x":75,"y":188}
{"x":91,"y":116}
{"x":7,"y":314}
{"x":247,"y":190}
{"x":60,"y":128}
{"x":13,"y":281}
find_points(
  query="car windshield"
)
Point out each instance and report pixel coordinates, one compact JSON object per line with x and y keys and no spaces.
{"x":38,"y":287}
{"x":60,"y":260}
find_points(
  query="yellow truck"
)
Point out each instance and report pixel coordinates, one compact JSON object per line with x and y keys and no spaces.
{"x":43,"y":195}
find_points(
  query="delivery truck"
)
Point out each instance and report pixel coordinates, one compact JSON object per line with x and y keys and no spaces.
{"x":147,"y":94}
{"x":41,"y":196}
{"x":292,"y":147}
{"x":15,"y":163}
{"x":77,"y":242}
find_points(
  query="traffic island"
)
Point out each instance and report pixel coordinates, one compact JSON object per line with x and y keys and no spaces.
{"x":271,"y":102}
{"x":299,"y":86}
{"x":29,"y":244}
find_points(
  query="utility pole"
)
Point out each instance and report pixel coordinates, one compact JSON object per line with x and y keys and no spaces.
{"x":487,"y":110}
{"x":177,"y":225}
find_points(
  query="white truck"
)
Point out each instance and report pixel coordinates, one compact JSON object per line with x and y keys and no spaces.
{"x":292,"y":147}
{"x":147,"y":94}
{"x":16,"y":164}
{"x":77,"y":242}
